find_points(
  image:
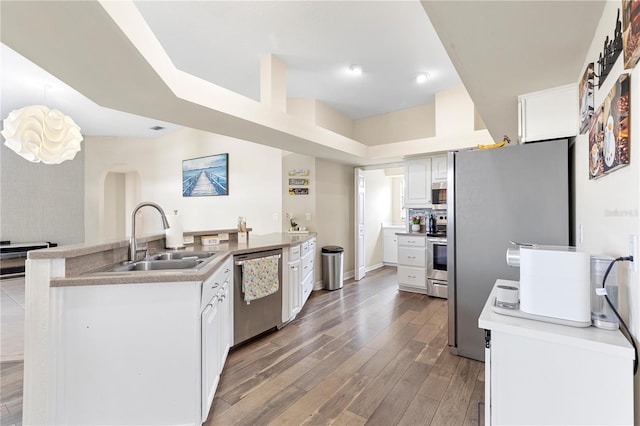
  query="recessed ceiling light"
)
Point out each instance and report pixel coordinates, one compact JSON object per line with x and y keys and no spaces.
{"x":156,"y":128}
{"x":422,"y":77}
{"x":355,"y":69}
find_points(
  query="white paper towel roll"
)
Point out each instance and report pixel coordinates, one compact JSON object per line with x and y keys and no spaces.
{"x":174,"y":237}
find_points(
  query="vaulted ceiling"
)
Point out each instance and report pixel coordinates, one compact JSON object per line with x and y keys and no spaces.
{"x":158,"y":59}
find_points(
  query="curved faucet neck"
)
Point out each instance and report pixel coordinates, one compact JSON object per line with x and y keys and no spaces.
{"x":133,"y":249}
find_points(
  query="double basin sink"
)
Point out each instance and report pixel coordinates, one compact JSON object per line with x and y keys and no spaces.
{"x":167,"y":261}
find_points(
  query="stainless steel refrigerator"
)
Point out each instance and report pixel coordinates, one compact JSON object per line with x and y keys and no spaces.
{"x":518,"y":193}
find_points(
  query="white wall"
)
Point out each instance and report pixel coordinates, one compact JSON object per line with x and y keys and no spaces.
{"x":335,"y":209}
{"x":378,"y":207}
{"x":607,"y":208}
{"x":396,"y":197}
{"x":41,"y":202}
{"x":333,"y":120}
{"x":455,"y":113}
{"x":407,"y":124}
{"x":452,"y":114}
{"x":114,"y":205}
{"x":299,"y":205}
{"x":254,"y":181}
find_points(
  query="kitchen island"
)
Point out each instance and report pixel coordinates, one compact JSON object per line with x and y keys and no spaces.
{"x":143,"y":347}
{"x":543,"y":373}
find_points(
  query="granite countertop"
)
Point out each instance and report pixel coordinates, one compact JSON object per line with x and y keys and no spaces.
{"x":255,"y":243}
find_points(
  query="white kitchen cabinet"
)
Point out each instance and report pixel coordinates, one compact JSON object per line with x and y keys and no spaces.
{"x":294,"y":282}
{"x":225,"y":328}
{"x":299,"y":278}
{"x":153,"y":350}
{"x":548,"y":114}
{"x":417,"y":182}
{"x":439,"y":168}
{"x":216,"y":331}
{"x":390,"y":244}
{"x":211,"y":342}
{"x":307,"y":261}
{"x":542,"y":373}
{"x":412,"y":263}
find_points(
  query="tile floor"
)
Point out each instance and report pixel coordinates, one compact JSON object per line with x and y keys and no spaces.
{"x":12,"y":319}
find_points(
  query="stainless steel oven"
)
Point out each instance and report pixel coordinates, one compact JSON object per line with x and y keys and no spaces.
{"x":437,"y":267}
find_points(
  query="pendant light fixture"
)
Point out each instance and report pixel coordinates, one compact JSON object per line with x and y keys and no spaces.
{"x":40,"y":134}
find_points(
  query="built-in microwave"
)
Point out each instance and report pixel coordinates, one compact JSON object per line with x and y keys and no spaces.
{"x":439,"y":195}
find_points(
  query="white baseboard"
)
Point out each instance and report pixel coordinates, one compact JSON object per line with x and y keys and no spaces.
{"x":373,"y":267}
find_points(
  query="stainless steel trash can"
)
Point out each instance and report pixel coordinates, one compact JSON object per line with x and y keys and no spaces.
{"x":332,"y":275}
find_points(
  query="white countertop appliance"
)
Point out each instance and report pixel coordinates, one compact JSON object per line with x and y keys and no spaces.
{"x":554,"y":282}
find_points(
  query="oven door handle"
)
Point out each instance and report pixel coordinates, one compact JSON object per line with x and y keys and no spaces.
{"x":437,"y":240}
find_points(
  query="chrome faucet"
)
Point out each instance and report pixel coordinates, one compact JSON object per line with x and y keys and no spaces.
{"x":133,"y":248}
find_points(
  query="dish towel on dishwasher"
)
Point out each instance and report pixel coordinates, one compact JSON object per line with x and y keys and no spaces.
{"x":260,"y":277}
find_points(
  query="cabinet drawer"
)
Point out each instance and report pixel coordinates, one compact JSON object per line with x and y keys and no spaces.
{"x":214,"y":283}
{"x":294,"y":253}
{"x":410,"y":256}
{"x":412,"y":276}
{"x":210,"y":287}
{"x":307,"y":264}
{"x":307,"y":286}
{"x":409,"y":240}
{"x":437,"y":289}
{"x":304,"y":248}
{"x":312,"y":245}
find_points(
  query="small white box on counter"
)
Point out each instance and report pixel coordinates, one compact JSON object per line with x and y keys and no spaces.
{"x":210,"y":240}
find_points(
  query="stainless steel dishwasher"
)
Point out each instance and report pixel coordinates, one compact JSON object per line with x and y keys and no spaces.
{"x":250,"y":320}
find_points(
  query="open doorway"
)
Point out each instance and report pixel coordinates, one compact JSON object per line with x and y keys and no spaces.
{"x":120,"y":195}
{"x":382,"y":216}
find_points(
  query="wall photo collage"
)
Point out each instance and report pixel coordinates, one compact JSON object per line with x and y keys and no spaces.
{"x":609,"y":124}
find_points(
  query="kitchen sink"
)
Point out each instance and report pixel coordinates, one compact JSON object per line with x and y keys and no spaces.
{"x":158,"y":265}
{"x":166,"y":261}
{"x":182,"y":255}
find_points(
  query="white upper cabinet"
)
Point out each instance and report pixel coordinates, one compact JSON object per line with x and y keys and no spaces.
{"x":439,"y":168}
{"x":417,"y":182}
{"x":548,"y":114}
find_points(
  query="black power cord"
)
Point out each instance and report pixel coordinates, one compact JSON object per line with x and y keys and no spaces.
{"x":629,"y":336}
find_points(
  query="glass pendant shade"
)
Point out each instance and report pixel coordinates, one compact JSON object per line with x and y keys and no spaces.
{"x":40,"y":134}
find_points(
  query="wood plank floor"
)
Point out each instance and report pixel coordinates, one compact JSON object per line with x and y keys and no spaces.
{"x":11,"y":374}
{"x":366,"y":354}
